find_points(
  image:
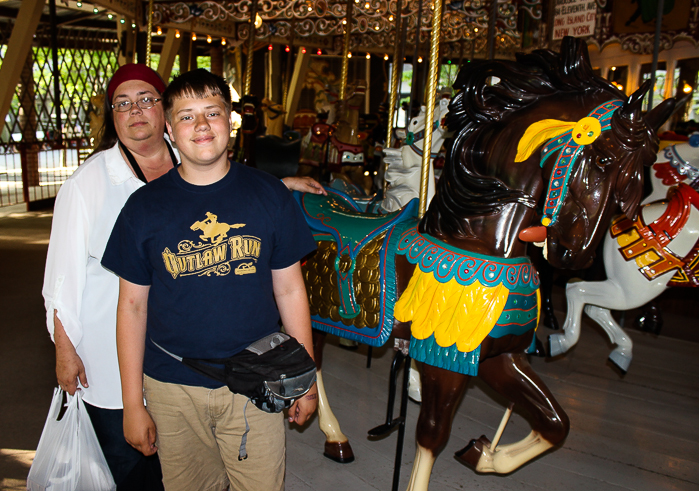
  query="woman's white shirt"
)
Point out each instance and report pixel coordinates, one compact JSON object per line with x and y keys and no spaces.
{"x":83,"y":293}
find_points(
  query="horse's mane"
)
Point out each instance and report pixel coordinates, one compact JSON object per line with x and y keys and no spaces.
{"x":476,"y":110}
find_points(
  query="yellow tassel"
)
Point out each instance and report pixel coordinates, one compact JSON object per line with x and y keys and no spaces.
{"x":454,"y":313}
{"x":537,"y":134}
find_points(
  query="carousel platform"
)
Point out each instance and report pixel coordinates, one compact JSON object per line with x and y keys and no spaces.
{"x":628,"y":432}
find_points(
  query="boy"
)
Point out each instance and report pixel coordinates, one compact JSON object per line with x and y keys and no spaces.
{"x":208,"y":261}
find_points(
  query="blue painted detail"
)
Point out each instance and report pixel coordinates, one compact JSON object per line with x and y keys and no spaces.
{"x":446,"y":262}
{"x":379,"y":335}
{"x":428,"y":351}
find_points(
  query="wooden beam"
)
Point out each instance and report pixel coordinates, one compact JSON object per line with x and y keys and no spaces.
{"x":17,"y":51}
{"x":128,"y":8}
{"x":168,"y":54}
{"x":303,"y":60}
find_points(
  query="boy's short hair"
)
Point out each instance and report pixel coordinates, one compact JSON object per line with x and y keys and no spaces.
{"x":196,"y":84}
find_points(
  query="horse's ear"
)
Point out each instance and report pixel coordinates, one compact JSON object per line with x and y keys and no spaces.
{"x":660,"y":113}
{"x":631,"y":109}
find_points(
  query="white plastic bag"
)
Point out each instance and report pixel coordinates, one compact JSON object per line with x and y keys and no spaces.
{"x":69,"y":457}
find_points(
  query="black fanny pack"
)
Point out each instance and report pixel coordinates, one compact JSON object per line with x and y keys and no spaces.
{"x":273,"y":372}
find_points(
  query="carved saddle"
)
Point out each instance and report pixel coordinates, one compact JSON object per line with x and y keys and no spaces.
{"x":647,"y":243}
{"x":349,"y":277}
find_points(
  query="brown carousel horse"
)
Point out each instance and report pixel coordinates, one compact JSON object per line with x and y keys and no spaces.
{"x":540,"y":133}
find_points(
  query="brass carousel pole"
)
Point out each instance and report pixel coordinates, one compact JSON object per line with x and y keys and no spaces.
{"x":345,"y":50}
{"x":150,"y":32}
{"x":393,"y":92}
{"x":430,"y":96}
{"x":251,"y":48}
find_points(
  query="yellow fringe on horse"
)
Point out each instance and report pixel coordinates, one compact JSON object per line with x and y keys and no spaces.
{"x":455,"y":313}
{"x":538,"y":133}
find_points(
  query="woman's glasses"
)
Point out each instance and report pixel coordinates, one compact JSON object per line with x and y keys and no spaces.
{"x":145,"y":103}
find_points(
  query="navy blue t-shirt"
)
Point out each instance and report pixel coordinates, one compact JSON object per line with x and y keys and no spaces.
{"x":207,"y":253}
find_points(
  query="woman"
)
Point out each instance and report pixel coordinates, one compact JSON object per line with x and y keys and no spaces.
{"x":80,"y":296}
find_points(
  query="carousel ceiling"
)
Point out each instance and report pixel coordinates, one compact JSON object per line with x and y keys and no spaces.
{"x":519,"y":24}
{"x":373,"y":24}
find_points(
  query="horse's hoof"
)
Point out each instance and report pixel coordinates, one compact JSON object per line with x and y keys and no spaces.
{"x":471,"y":453}
{"x":557,"y":345}
{"x":340,"y":452}
{"x":621,"y":360}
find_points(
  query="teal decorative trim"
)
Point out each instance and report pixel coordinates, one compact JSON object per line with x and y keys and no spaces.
{"x":428,"y":351}
{"x":447,"y":262}
{"x":520,"y":315}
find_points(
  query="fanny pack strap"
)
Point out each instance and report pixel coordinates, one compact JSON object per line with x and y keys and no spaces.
{"x":199,"y":366}
{"x":217,"y":374}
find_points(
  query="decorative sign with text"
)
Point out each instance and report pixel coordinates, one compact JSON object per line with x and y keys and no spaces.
{"x":574,"y":18}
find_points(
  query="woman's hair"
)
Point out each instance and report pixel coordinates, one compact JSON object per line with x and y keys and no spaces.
{"x":106,"y":135}
{"x":197,"y":84}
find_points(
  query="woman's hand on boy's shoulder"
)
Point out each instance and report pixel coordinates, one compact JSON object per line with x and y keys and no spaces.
{"x":304,"y":184}
{"x":301,"y":410}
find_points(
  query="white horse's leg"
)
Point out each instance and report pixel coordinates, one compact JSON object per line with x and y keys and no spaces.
{"x":414,"y":385}
{"x":561,"y":342}
{"x":622,"y":354}
{"x":337,"y":445}
{"x":422,"y":469}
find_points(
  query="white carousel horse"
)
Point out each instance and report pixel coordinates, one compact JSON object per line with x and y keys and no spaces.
{"x":403,"y":168}
{"x":642,"y":258}
{"x":403,"y":165}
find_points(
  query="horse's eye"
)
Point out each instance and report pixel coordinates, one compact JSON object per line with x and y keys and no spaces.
{"x":603,"y":161}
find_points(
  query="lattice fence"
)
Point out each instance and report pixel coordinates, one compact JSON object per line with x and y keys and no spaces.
{"x":35,"y":157}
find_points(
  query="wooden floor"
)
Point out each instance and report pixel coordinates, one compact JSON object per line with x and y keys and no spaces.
{"x":634,"y":432}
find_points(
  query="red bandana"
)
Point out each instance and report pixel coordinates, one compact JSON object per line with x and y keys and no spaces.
{"x":134,"y":71}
